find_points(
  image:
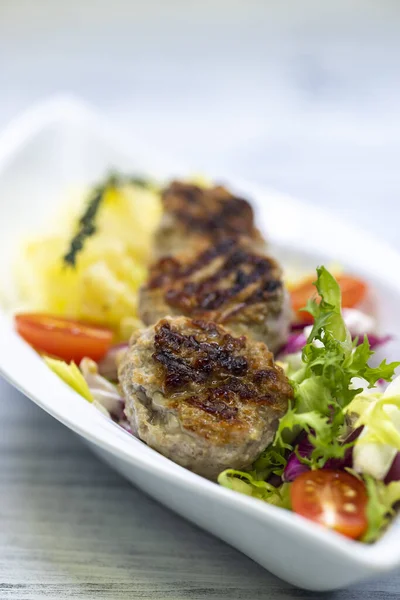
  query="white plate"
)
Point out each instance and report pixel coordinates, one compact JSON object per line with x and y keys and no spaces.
{"x":62,"y":143}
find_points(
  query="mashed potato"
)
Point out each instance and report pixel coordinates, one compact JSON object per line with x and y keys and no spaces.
{"x":102,"y":288}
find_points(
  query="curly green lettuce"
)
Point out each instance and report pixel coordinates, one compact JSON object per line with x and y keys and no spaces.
{"x":380,"y":508}
{"x":323,"y":385}
{"x":323,"y":391}
{"x":247,"y":484}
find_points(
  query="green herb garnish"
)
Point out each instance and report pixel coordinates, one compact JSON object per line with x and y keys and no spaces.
{"x":86,"y":228}
{"x":87,"y":222}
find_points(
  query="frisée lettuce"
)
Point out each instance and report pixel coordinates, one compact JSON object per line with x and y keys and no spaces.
{"x":338,"y":414}
{"x":323,"y":385}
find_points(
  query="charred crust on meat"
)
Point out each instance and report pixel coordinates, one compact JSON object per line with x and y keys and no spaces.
{"x":201,"y":396}
{"x":238,"y":275}
{"x":186,"y":359}
{"x":211,"y":211}
{"x":214,"y":405}
{"x":213,"y":371}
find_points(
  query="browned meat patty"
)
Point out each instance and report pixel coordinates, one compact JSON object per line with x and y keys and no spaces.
{"x":228,"y":283}
{"x":201,"y":397}
{"x":194,"y":217}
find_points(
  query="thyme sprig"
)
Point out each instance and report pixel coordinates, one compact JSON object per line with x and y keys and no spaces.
{"x":87,"y":222}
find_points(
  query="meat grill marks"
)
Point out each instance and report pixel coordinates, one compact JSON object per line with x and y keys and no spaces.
{"x":212,"y":211}
{"x":216,"y":373}
{"x":206,"y":396}
{"x":202,"y":397}
{"x":196,"y":215}
{"x":216,"y":284}
{"x":186,"y":359}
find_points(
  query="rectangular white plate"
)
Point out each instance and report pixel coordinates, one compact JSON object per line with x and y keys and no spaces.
{"x":62,"y":143}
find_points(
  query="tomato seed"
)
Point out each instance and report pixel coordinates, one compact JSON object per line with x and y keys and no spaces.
{"x":349,"y":507}
{"x":349,"y":493}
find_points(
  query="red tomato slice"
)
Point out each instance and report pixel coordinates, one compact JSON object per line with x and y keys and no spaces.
{"x":64,"y":338}
{"x":353,"y":291}
{"x":334,"y":499}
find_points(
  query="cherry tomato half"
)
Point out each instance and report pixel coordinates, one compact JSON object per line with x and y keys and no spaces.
{"x":353,"y":291}
{"x":334,"y":499}
{"x":63,"y":338}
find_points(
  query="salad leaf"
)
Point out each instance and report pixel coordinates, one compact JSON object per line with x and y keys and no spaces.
{"x":332,"y":384}
{"x":71,"y":375}
{"x":382,"y":419}
{"x":391,"y":493}
{"x":393,"y":473}
{"x":270,"y":462}
{"x":295,"y":465}
{"x":294,"y":421}
{"x":322,"y":387}
{"x":376,"y":510}
{"x":294,"y":344}
{"x":307,"y":392}
{"x":384,"y":371}
{"x":243,"y":482}
{"x":380,"y":507}
{"x":379,"y":442}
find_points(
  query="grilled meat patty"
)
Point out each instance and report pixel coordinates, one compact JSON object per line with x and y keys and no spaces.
{"x":194,"y":217}
{"x":228,"y":283}
{"x":201,"y":397}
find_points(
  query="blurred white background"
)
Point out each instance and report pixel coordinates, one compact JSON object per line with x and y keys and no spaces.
{"x":304,"y":96}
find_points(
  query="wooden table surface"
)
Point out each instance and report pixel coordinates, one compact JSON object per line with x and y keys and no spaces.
{"x":301,"y":96}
